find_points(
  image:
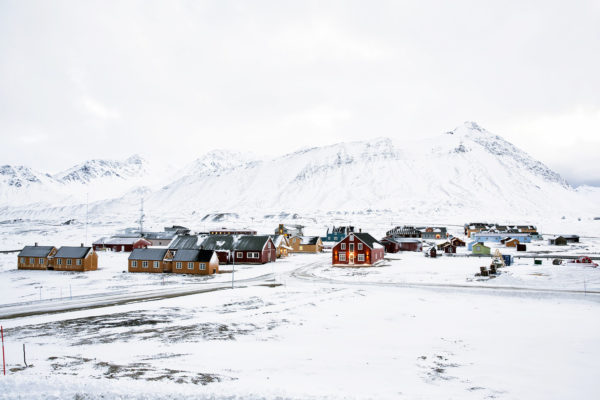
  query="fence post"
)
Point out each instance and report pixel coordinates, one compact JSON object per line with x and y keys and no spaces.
{"x":24,"y":358}
{"x":3,"y":358}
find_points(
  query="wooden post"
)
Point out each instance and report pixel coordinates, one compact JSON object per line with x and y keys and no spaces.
{"x":3,"y":358}
{"x":24,"y":359}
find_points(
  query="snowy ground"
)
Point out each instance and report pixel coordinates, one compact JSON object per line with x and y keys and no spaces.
{"x":415,"y":328}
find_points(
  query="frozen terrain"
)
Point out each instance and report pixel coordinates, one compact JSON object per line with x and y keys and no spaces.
{"x":414,"y":327}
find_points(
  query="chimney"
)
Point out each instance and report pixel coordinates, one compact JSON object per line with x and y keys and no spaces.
{"x":35,"y":244}
{"x":359,"y":230}
{"x":81,"y":244}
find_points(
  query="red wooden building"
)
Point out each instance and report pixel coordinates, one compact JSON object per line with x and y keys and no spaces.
{"x":396,"y":244}
{"x":457,"y":242}
{"x":357,"y":249}
{"x":255,"y":250}
{"x":121,"y":244}
{"x":449,"y":249}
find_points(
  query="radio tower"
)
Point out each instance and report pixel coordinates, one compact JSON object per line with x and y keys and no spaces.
{"x":142,"y":218}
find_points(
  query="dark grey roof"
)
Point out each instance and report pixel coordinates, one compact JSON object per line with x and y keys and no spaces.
{"x":193,"y":255}
{"x":148,"y":254}
{"x":36,"y":251}
{"x":252,"y":243}
{"x":72,"y":252}
{"x":218,"y":243}
{"x":184,"y":242}
{"x":366,"y":238}
{"x":309,"y":240}
{"x":401,"y":239}
{"x":159,"y":235}
{"x":119,"y":240}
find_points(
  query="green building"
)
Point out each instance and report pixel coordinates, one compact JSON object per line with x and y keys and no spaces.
{"x":480,"y":248}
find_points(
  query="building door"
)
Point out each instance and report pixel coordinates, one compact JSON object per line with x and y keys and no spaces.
{"x":269,"y":256}
{"x":351,"y":258}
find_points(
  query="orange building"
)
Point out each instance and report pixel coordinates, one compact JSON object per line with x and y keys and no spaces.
{"x":150,"y":260}
{"x":199,"y":262}
{"x":35,"y":257}
{"x":71,"y":258}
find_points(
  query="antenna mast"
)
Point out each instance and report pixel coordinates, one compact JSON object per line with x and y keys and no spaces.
{"x":87,"y":201}
{"x":142,"y":217}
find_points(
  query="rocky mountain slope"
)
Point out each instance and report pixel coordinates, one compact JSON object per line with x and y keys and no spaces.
{"x":467,"y":171}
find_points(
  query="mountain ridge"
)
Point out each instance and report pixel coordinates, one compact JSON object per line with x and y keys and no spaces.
{"x":467,"y":170}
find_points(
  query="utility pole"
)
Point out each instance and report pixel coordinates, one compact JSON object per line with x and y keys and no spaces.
{"x":142,"y":218}
{"x":87,"y":201}
{"x":233,"y":270}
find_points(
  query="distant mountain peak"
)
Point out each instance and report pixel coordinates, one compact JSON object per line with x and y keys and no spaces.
{"x":474,"y":126}
{"x":90,"y":170}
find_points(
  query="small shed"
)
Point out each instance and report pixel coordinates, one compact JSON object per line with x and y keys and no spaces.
{"x":481,"y":249}
{"x":521,"y":247}
{"x":432,"y":252}
{"x":441,"y":246}
{"x":450,"y":249}
{"x":511,"y":242}
{"x":306,"y":244}
{"x":571,"y":238}
{"x":457,"y":242}
{"x":282,"y":245}
{"x":558,"y":241}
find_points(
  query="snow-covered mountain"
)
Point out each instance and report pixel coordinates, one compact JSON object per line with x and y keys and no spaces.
{"x":467,"y":171}
{"x":133,"y":167}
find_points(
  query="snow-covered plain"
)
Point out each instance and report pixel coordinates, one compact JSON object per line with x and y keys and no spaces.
{"x":413,"y":327}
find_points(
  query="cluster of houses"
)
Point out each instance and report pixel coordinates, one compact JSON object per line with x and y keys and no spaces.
{"x":176,"y":250}
{"x":65,"y":258}
{"x":478,"y":227}
{"x":131,"y":240}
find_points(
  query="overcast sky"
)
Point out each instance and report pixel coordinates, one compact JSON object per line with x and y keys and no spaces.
{"x":103,"y":79}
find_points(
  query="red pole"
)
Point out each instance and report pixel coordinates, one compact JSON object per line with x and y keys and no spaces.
{"x":3,"y":359}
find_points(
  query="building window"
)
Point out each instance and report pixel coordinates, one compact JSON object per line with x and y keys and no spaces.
{"x":69,"y":261}
{"x":351,"y":246}
{"x":144,"y":264}
{"x":134,"y":263}
{"x":477,"y":248}
{"x":359,"y":246}
{"x":361,"y":257}
{"x":41,"y":261}
{"x":240,"y":254}
{"x":342,"y":256}
{"x":202,"y":267}
{"x":343,"y":246}
{"x":32,"y":261}
{"x":178,"y":265}
{"x":352,"y":238}
{"x":22,"y":260}
{"x":190,"y":265}
{"x":155,"y":264}
{"x":79,"y":261}
{"x":59,"y":261}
